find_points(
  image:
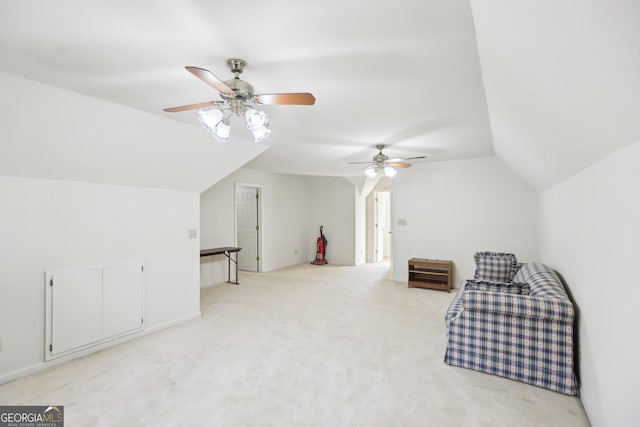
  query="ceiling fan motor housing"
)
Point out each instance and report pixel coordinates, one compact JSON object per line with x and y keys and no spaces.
{"x":380,"y":158}
{"x":242,"y":91}
{"x":240,"y":88}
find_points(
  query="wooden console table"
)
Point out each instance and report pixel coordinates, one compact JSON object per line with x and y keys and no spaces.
{"x":226,"y":251}
{"x":430,"y":274}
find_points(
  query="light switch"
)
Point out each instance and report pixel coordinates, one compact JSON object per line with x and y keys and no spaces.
{"x":193,"y":233}
{"x":402,"y":221}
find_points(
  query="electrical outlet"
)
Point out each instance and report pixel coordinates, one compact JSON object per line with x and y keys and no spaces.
{"x":295,"y":252}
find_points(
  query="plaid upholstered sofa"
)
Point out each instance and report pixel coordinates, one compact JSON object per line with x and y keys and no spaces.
{"x":520,"y":329}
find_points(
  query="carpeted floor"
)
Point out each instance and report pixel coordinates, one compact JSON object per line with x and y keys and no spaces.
{"x":302,"y":346}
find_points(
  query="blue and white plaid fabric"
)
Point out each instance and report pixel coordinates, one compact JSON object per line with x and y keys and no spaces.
{"x":511,"y":288}
{"x":495,"y":266}
{"x":528,"y":338}
{"x":541,"y":279}
{"x":455,"y":309}
{"x":520,"y":305}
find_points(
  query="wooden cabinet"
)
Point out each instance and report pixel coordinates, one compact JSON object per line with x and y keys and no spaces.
{"x":430,"y":274}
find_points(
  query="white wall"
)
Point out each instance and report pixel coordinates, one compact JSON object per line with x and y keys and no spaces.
{"x":49,"y":225}
{"x":590,"y":233}
{"x":293,"y":209}
{"x":284,"y":216}
{"x":456,"y":208}
{"x":333,"y":205}
{"x":363,"y":186}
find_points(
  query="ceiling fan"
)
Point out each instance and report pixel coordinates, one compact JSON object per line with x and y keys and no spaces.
{"x":238,"y":98}
{"x":382,"y":165}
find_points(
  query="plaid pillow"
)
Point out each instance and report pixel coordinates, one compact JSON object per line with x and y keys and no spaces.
{"x":510,"y":288}
{"x":495,"y":266}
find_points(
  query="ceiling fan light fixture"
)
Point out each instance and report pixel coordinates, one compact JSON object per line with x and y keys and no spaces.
{"x":257,"y":123}
{"x":260,"y":133}
{"x":222,"y":131}
{"x":209,"y":118}
{"x":216,"y":122}
{"x":238,"y":97}
{"x":390,"y":172}
{"x":379,"y":171}
{"x":371,"y":172}
{"x":256,"y":118}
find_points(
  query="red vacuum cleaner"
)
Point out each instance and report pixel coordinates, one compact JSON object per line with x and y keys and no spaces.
{"x":322,"y":248}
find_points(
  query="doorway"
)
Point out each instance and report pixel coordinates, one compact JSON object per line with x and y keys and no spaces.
{"x":247,"y":203}
{"x":379,"y":227}
{"x":382,"y":224}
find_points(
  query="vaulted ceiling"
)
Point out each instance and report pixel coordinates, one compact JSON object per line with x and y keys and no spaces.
{"x":562,"y":82}
{"x":550,"y":88}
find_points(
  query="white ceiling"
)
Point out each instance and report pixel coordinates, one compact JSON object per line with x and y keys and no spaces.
{"x":561,"y":82}
{"x":403,"y":73}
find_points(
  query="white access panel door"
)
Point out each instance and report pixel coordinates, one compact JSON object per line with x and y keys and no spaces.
{"x":247,"y":223}
{"x":76,"y":315}
{"x":122,"y":303}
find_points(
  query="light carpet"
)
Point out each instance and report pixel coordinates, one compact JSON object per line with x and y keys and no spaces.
{"x":302,"y":346}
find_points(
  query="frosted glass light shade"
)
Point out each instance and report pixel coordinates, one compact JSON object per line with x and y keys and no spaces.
{"x":377,"y":171}
{"x":371,"y":172}
{"x":208,"y":119}
{"x":257,"y":123}
{"x":222,"y":131}
{"x":216,"y":122}
{"x":260,"y":133}
{"x":256,"y":118}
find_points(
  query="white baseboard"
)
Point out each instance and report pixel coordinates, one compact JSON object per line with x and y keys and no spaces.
{"x":174,"y":322}
{"x":41,"y":366}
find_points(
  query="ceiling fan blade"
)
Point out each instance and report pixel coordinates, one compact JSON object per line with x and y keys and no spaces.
{"x":402,"y":159}
{"x":361,"y":163}
{"x":209,"y":78}
{"x":286,"y":99}
{"x":398,"y":164}
{"x":193,"y":106}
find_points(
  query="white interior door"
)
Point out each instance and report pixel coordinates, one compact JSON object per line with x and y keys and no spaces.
{"x":379,"y":228}
{"x":247,"y":227}
{"x":382,"y":226}
{"x":386,"y":224}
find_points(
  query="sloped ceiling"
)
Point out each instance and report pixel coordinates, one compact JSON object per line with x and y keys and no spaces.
{"x":562,"y":81}
{"x":51,"y":133}
{"x":403,"y":73}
